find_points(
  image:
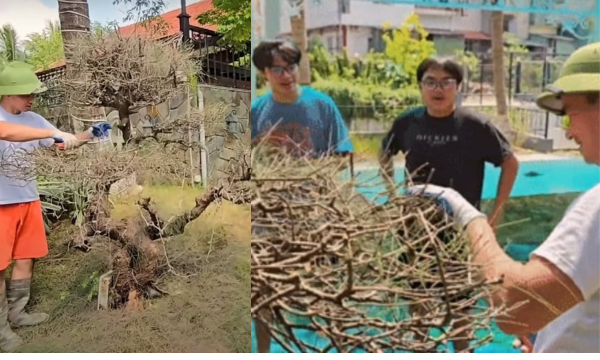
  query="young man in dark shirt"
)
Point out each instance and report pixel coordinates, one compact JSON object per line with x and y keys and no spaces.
{"x":448,"y":146}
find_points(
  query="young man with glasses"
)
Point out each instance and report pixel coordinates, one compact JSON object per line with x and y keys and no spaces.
{"x":447,"y":145}
{"x":298,"y":119}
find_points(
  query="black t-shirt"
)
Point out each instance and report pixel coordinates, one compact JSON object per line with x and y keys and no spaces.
{"x":449,"y":152}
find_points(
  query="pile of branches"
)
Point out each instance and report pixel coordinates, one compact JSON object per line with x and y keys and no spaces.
{"x":326,"y":260}
{"x":139,"y":259}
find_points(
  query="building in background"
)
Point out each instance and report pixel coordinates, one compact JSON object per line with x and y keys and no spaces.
{"x":357,"y":27}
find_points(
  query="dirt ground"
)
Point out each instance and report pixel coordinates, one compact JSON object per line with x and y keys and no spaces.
{"x":207,"y":307}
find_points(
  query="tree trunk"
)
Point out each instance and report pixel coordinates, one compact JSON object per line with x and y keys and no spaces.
{"x":300,"y":38}
{"x":498,"y":73}
{"x":74,"y":19}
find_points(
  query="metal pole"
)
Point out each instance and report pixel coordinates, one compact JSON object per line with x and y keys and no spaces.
{"x":184,"y":22}
{"x":481,"y":80}
{"x":510,"y":79}
{"x":252,"y":43}
{"x":518,"y":78}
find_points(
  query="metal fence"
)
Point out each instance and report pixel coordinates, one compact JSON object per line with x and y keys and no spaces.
{"x":524,"y":119}
{"x":221,"y":65}
{"x":526,"y":75}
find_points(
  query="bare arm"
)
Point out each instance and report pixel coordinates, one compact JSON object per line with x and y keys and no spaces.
{"x":541,"y":290}
{"x":508,"y":174}
{"x":21,"y":133}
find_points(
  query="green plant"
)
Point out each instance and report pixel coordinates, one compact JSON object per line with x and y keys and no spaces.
{"x":90,"y":285}
{"x":61,"y":199}
{"x":408,"y":45}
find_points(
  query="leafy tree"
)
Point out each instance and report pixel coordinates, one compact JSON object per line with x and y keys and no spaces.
{"x":408,"y":45}
{"x":233,"y":18}
{"x":9,"y":45}
{"x":45,"y":48}
{"x":142,"y":10}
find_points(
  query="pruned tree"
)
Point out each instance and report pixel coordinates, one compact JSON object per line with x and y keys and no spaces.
{"x":138,"y":257}
{"x":127,"y":73}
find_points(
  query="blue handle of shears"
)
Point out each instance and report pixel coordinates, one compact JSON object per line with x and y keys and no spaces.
{"x":58,"y":140}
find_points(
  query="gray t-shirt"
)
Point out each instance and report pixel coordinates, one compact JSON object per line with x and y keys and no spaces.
{"x":19,"y":191}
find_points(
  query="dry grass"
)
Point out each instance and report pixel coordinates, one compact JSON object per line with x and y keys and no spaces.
{"x":207,"y":306}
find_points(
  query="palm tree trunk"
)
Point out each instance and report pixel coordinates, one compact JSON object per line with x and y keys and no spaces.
{"x":74,"y":19}
{"x":300,"y":38}
{"x":498,"y":72}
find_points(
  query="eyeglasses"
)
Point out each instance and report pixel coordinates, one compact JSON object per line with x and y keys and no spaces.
{"x":279,"y":70}
{"x":445,"y":84}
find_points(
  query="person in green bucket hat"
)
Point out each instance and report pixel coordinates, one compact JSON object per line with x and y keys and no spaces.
{"x":18,"y":80}
{"x":22,"y":232}
{"x":557,"y":293}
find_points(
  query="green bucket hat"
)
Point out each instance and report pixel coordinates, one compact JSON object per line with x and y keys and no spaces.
{"x":19,"y":78}
{"x":579,"y":74}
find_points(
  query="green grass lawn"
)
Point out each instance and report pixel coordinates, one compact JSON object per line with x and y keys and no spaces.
{"x":529,"y":220}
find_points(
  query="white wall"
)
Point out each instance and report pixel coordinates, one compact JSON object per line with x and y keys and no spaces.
{"x":323,"y":14}
{"x":471,"y":21}
{"x":365,"y":13}
{"x":358,"y":41}
{"x":330,"y":37}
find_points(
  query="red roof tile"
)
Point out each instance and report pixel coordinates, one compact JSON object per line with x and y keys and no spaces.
{"x":476,"y":35}
{"x":54,"y":65}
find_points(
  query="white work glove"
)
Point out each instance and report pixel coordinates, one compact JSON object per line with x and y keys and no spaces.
{"x":459,"y":209}
{"x":69,"y":140}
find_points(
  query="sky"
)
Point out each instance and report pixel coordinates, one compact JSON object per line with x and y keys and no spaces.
{"x":29,"y":16}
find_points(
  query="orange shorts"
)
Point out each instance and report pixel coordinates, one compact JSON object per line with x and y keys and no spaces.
{"x":22,"y":233}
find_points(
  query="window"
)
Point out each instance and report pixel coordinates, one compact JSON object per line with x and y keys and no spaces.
{"x":506,"y":25}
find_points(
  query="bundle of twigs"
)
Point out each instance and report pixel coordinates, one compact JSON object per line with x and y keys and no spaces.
{"x":132,"y":71}
{"x":326,"y":260}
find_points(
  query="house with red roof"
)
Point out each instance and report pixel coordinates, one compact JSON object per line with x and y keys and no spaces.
{"x":215,"y":60}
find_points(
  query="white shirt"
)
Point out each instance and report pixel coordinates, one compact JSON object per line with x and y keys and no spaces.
{"x":14,"y":191}
{"x":574,"y":247}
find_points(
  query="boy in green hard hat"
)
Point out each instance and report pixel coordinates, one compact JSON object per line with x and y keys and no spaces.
{"x":21,"y":83}
{"x":557,"y":293}
{"x":22,"y":232}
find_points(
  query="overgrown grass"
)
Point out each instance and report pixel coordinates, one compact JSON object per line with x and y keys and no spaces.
{"x":207,"y":306}
{"x":530,"y":220}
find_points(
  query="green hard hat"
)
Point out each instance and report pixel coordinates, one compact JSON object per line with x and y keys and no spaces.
{"x":579,"y":74}
{"x":19,"y":78}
